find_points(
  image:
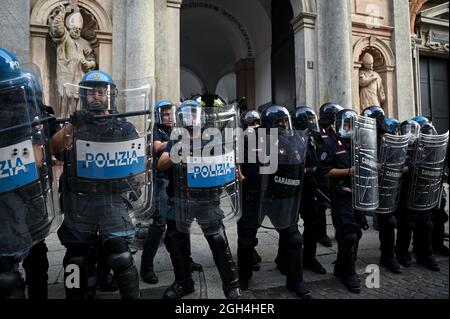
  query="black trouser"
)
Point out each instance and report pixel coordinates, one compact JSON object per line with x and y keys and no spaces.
{"x":152,"y":241}
{"x":36,"y":272}
{"x":246,"y":245}
{"x":440,"y":217}
{"x":386,"y":234}
{"x":347,"y":223}
{"x":12,"y":285}
{"x":419,"y":223}
{"x":290,"y":254}
{"x":310,"y":215}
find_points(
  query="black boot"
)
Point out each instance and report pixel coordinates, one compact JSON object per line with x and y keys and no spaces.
{"x":178,"y":246}
{"x":301,"y":290}
{"x":391,"y":263}
{"x":151,"y":245}
{"x":428,"y":262}
{"x":36,"y":272}
{"x":315,"y":266}
{"x":218,"y":243}
{"x":404,"y":258}
{"x":121,"y":261}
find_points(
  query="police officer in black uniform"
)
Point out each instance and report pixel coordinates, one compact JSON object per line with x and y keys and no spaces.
{"x":248,"y":223}
{"x":327,"y":119}
{"x":410,"y":221}
{"x":88,"y":214}
{"x":386,"y":222}
{"x":164,"y":122}
{"x":335,"y":162}
{"x":304,"y":118}
{"x":290,"y":245}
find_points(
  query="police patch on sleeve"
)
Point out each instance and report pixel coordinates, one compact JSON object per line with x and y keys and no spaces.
{"x":323,"y":156}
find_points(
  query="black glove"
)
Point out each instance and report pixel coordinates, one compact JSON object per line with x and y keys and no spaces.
{"x":83,"y":117}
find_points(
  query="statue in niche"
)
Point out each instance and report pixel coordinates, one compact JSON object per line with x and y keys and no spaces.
{"x":75,"y":56}
{"x":371,"y":90}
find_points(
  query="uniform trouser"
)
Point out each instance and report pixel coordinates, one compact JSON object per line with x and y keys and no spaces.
{"x":246,"y":245}
{"x":36,"y":272}
{"x":322,"y":220}
{"x":421,"y":225}
{"x":290,"y":254}
{"x":156,"y":229}
{"x":347,"y":223}
{"x":386,"y":234}
{"x":12,"y":285}
{"x":118,"y":257}
{"x":310,"y":215}
{"x":440,"y":217}
{"x":178,"y":245}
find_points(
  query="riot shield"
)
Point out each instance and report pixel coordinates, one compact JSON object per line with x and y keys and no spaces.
{"x":428,"y":169}
{"x":392,"y":158}
{"x":107,"y":159}
{"x":207,"y":189}
{"x":27,"y":209}
{"x":281,"y":191}
{"x":364,"y":160}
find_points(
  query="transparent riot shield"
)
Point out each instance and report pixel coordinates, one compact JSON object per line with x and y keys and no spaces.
{"x":206,"y":185}
{"x":27,"y":209}
{"x":364,"y":159}
{"x":428,"y":169}
{"x":281,"y":191}
{"x":107,"y":179}
{"x":391,"y":159}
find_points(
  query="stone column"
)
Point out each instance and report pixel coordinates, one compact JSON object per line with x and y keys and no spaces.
{"x":335,"y":74}
{"x":245,"y":81}
{"x":173,"y":52}
{"x":403,"y":57}
{"x":305,"y":59}
{"x":15,"y":28}
{"x":119,"y":42}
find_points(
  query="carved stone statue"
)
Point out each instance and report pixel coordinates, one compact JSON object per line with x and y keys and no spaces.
{"x":75,"y":56}
{"x":371,"y":90}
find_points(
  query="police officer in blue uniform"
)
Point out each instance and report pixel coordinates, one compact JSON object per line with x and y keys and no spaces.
{"x":25,"y":181}
{"x":178,"y":242}
{"x":335,"y":163}
{"x":93,"y":208}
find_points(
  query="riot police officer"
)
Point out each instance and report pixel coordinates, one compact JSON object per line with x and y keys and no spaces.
{"x":392,"y":126}
{"x":415,"y":213}
{"x":304,"y":118}
{"x":281,"y":196}
{"x":186,"y":204}
{"x":335,"y":163}
{"x":391,"y":158}
{"x":247,"y":257}
{"x":164,"y":124}
{"x":440,"y":217}
{"x":26,"y":188}
{"x":327,"y":119}
{"x":95,"y":199}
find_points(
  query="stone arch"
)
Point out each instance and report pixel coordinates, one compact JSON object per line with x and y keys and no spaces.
{"x":384,"y":64}
{"x":300,"y":6}
{"x":43,"y":51}
{"x":414,"y":8}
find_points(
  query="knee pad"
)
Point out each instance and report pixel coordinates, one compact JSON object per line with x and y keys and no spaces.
{"x":10,"y":278}
{"x":118,"y":252}
{"x":428,"y":226}
{"x":219,"y":239}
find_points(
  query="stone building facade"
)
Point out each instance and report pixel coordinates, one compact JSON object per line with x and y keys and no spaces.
{"x":291,"y":52}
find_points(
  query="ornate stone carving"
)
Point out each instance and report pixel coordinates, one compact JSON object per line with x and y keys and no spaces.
{"x":371,"y":90}
{"x":75,"y":55}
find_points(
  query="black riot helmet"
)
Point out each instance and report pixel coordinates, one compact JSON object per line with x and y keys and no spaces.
{"x":328,"y":112}
{"x":376,"y":113}
{"x":250,"y":118}
{"x":344,"y":124}
{"x":427,"y":128}
{"x":304,"y":118}
{"x":276,"y":116}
